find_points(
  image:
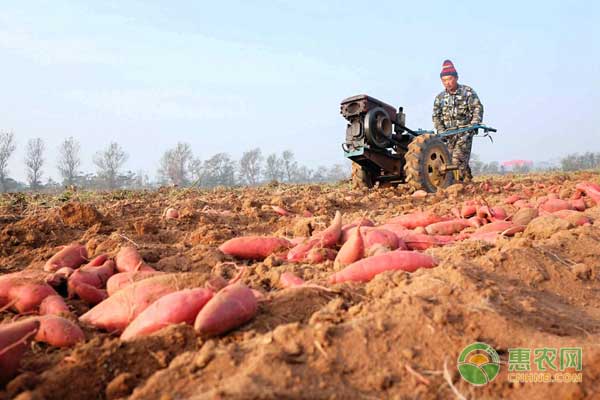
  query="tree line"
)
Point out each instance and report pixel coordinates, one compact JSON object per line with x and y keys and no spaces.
{"x":569,"y":163}
{"x":178,"y":166}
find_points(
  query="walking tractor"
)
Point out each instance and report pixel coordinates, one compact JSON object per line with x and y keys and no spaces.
{"x":384,"y":150}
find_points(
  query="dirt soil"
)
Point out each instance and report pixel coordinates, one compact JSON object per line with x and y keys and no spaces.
{"x":397,"y":336}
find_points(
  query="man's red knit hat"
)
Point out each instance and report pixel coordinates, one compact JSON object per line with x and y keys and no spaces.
{"x":448,"y":69}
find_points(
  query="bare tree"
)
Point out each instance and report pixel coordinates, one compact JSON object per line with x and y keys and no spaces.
{"x":174,"y":164}
{"x":34,"y":160}
{"x":290,"y":166}
{"x":274,"y":170}
{"x":109,"y":162}
{"x":7,"y":147}
{"x":250,"y":166}
{"x":68,"y":160}
{"x":219,"y":170}
{"x":196,"y":170}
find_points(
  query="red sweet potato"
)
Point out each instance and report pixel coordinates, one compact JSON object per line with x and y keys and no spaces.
{"x":88,"y":293}
{"x":27,"y":296}
{"x":129,"y":259}
{"x":330,"y":236}
{"x":124,"y":279}
{"x":447,"y":227}
{"x":413,"y":220}
{"x":95,"y":274}
{"x":299,"y":252}
{"x":281,"y":211}
{"x":468,"y":210}
{"x":178,"y":307}
{"x":591,"y":190}
{"x":14,"y":341}
{"x":574,"y":217}
{"x":117,"y":311}
{"x":498,"y":226}
{"x":58,"y":331}
{"x":254,"y":247}
{"x":289,"y":279}
{"x":552,"y":205}
{"x":364,"y":270}
{"x":54,"y":305}
{"x":578,"y":204}
{"x":348,"y":228}
{"x":378,"y":236}
{"x":419,"y":241}
{"x":171,"y":213}
{"x":229,"y":308}
{"x":512,"y":199}
{"x":71,"y":256}
{"x":351,"y":251}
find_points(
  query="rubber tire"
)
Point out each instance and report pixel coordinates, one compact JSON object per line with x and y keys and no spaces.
{"x":361,"y":177}
{"x":416,"y":168}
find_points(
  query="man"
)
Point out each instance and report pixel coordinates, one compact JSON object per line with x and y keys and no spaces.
{"x":457,"y":106}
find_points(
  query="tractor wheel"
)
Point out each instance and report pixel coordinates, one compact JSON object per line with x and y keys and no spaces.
{"x":361,"y":177}
{"x":425,"y":157}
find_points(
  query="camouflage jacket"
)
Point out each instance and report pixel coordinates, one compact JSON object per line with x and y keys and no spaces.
{"x":454,"y":110}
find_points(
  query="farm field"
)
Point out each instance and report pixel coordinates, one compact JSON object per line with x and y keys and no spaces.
{"x":396,"y":336}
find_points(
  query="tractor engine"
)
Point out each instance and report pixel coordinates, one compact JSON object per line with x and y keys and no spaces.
{"x":371,"y":122}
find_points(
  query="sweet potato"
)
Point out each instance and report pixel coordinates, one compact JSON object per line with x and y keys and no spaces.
{"x":124,"y":279}
{"x":552,"y":205}
{"x":289,"y":279}
{"x":364,"y":270}
{"x":71,"y":256}
{"x":254,"y":247}
{"x":468,"y":210}
{"x":578,"y":204}
{"x":491,"y":213}
{"x":447,"y":227}
{"x":58,"y":331}
{"x":330,"y":236}
{"x":129,"y":259}
{"x":27,"y":296}
{"x":413,"y":220}
{"x":419,"y":241}
{"x":353,"y":250}
{"x":95,"y":274}
{"x":574,"y":217}
{"x":300,"y":251}
{"x":88,"y":293}
{"x":512,"y":199}
{"x":171,"y":213}
{"x":591,"y":190}
{"x":524,"y":216}
{"x":178,"y":307}
{"x":118,"y":310}
{"x":281,"y":211}
{"x":348,"y":228}
{"x":54,"y":305}
{"x":229,"y":308}
{"x":378,"y":236}
{"x":498,"y":226}
{"x":14,"y":341}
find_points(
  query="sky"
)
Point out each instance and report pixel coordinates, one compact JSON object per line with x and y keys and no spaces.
{"x":230,"y":76}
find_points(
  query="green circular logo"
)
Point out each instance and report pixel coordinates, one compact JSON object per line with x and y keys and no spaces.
{"x":478,"y":363}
